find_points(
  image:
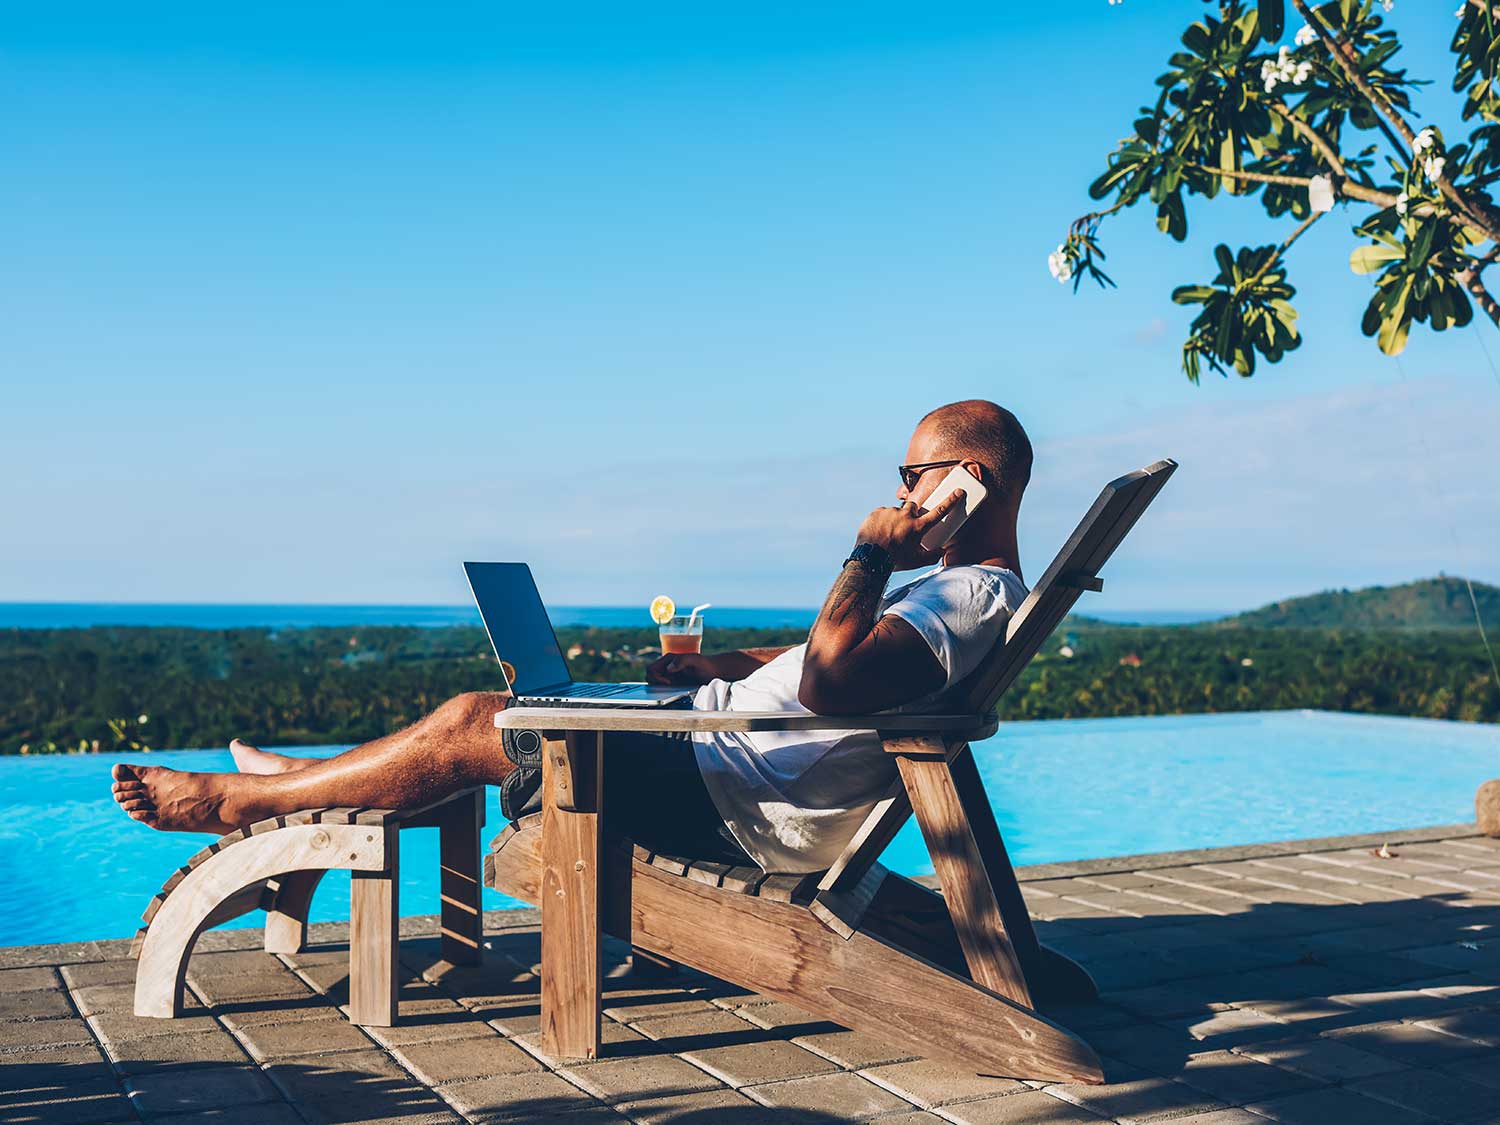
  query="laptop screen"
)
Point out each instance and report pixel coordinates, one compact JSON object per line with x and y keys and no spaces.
{"x":517,"y":623}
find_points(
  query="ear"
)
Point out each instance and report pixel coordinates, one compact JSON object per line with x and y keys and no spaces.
{"x":975,"y":470}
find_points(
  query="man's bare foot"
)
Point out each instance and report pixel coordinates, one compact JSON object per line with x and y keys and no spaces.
{"x":173,"y":800}
{"x":250,"y":759}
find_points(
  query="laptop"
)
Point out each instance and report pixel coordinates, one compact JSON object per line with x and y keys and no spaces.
{"x":521,"y":635}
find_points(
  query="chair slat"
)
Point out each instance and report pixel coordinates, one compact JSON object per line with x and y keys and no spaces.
{"x":707,"y":872}
{"x":743,"y":880}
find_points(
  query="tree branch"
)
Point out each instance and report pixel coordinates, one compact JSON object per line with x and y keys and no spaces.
{"x":1336,"y":49}
{"x":1346,"y":187}
{"x":1285,"y":246}
{"x":1471,"y":281}
{"x":1329,"y":154}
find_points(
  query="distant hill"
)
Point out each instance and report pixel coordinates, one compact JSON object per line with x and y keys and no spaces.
{"x":1431,"y":603}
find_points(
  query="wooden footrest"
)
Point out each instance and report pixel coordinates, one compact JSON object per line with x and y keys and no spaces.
{"x":277,"y":864}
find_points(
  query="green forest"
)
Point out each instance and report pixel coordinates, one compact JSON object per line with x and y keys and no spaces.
{"x":112,"y":689}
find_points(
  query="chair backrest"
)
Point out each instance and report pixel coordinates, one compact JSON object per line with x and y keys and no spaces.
{"x":1074,"y":570}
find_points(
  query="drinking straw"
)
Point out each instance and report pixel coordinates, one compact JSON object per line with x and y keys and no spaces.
{"x":694,"y":615}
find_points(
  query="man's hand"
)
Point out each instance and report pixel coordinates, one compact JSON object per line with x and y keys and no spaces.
{"x":899,"y":531}
{"x":683,"y":669}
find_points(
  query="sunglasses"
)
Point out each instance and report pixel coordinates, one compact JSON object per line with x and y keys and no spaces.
{"x":910,"y":474}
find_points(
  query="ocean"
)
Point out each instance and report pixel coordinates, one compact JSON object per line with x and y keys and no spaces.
{"x":79,"y":615}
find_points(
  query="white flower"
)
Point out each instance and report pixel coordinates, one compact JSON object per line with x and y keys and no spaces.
{"x":1387,"y":4}
{"x":1285,"y":70}
{"x":1058,"y":263}
{"x":141,"y":719}
{"x":1401,"y":201}
{"x":1424,"y":140}
{"x":1433,"y":167}
{"x":1320,"y":194}
{"x":1306,"y":36}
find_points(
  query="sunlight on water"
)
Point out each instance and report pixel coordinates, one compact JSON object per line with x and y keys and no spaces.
{"x":77,"y":868}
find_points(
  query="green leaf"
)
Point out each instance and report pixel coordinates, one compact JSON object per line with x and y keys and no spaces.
{"x":1368,"y":259}
{"x":1192,"y":294}
{"x":1272,"y":19}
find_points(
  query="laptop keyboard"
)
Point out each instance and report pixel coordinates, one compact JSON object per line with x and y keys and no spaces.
{"x":594,"y":691}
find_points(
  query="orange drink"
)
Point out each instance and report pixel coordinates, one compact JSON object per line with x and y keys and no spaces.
{"x":682,"y":634}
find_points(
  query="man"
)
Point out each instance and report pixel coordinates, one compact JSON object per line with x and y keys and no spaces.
{"x":788,"y":801}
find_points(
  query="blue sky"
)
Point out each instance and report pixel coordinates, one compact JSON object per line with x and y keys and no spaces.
{"x":310,"y":302}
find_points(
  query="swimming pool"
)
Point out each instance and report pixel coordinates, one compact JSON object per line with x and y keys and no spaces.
{"x":76,"y":868}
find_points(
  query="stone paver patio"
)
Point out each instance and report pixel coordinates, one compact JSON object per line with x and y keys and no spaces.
{"x":1313,"y":981}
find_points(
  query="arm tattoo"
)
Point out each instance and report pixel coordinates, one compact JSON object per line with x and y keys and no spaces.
{"x":855,"y":596}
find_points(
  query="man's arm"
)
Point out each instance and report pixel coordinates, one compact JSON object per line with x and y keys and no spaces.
{"x":690,"y":668}
{"x":855,"y":662}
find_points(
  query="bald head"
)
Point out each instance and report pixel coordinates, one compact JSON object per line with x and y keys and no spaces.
{"x":988,"y":433}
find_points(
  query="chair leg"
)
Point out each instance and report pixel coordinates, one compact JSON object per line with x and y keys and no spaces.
{"x":374,"y":919}
{"x":462,"y":920}
{"x":286,"y":921}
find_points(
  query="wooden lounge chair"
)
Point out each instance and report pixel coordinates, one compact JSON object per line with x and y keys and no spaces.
{"x":959,"y":976}
{"x":275,"y":865}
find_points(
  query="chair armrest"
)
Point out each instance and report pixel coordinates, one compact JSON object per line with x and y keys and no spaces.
{"x":662,"y":719}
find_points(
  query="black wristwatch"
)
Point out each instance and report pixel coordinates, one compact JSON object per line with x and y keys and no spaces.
{"x":871,"y":556}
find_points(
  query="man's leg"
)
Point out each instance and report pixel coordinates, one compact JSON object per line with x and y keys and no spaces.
{"x":454,"y":747}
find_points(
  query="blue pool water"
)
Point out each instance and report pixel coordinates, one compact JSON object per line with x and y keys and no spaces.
{"x":76,"y":868}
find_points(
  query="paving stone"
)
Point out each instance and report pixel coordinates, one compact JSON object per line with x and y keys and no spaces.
{"x":456,"y":1060}
{"x":1444,"y":1096}
{"x":1386,"y":968}
{"x":853,"y":1050}
{"x":35,"y":1004}
{"x":315,"y":1035}
{"x":519,"y":1097}
{"x":120,"y":1026}
{"x":779,"y":1015}
{"x":1237,"y":1079}
{"x":266,"y":1113}
{"x":1407,"y":1043}
{"x":27,"y":980}
{"x":235,"y":988}
{"x":53,"y":1068}
{"x":170,"y":1090}
{"x":28,"y":956}
{"x":711,"y":1028}
{"x":1029,"y":1107}
{"x":437,"y":1024}
{"x":1164,"y":1001}
{"x":1459,"y":956}
{"x":1139,"y":1097}
{"x":845,"y":1095}
{"x":701,"y":1107}
{"x":629,"y":1005}
{"x":745,"y":1064}
{"x":93,"y":999}
{"x":635,"y":1078}
{"x":1311,"y":1013}
{"x":1324,"y":1059}
{"x":1155,"y":1048}
{"x":1480,"y":1069}
{"x":99,"y":972}
{"x":922,"y":1117}
{"x":80,"y":1103}
{"x":163,"y":1052}
{"x":616,"y":1041}
{"x":355,"y":1086}
{"x":1231,"y":1028}
{"x":1334,"y":1106}
{"x":928,"y":1083}
{"x":27,"y":1035}
{"x":1482,"y":1025}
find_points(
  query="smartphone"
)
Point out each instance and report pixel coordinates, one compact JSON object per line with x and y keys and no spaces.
{"x":960,"y":479}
